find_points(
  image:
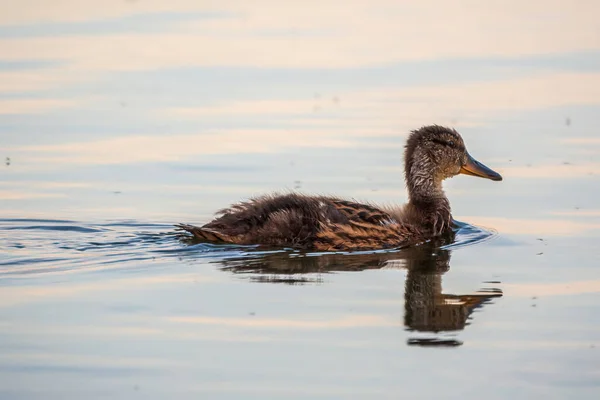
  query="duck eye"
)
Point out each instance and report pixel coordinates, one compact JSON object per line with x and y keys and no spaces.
{"x":451,"y":143}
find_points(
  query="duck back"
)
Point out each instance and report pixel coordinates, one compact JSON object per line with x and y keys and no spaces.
{"x":305,"y":222}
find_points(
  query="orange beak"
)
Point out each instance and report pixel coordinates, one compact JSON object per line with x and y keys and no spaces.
{"x":475,"y":168}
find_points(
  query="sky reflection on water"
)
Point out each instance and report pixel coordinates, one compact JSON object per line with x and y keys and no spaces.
{"x":120,"y":118}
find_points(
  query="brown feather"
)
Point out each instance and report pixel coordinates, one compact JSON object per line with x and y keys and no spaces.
{"x":206,"y":234}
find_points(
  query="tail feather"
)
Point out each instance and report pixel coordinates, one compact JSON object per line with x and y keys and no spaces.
{"x":206,"y":234}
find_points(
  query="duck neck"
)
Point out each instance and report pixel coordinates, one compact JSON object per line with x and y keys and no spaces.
{"x":428,"y":202}
{"x":425,"y":190}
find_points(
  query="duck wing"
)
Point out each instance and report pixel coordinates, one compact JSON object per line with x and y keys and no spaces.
{"x":367,"y":227}
{"x":361,"y":235}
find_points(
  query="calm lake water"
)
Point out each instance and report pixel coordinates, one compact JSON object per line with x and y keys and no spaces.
{"x":119,"y":119}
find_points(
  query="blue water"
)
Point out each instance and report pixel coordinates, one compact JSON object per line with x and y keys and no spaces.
{"x":119,"y":120}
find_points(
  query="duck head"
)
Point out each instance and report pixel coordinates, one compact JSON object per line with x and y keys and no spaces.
{"x":434,"y":153}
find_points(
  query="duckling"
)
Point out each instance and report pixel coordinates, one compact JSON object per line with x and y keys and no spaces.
{"x":323,"y":223}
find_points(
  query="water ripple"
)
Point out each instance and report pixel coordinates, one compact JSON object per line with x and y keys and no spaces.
{"x":73,"y":228}
{"x":72,"y":246}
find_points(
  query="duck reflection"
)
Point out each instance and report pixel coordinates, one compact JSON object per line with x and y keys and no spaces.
{"x":426,"y":307}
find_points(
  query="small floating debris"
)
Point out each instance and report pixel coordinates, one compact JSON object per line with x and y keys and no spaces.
{"x":7,"y":162}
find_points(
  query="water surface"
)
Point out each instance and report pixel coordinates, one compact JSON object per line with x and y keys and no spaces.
{"x":119,"y":120}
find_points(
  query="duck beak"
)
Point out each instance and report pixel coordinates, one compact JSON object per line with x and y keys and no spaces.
{"x":475,"y":168}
